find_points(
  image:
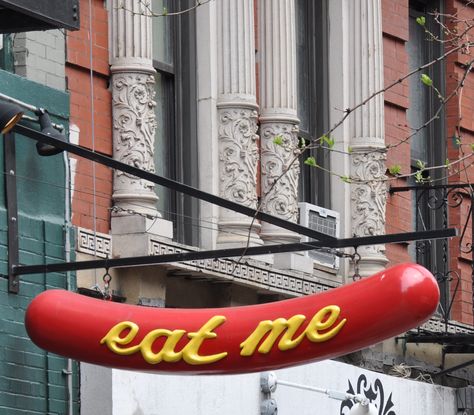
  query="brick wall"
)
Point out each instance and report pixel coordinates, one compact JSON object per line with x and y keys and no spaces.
{"x":91,"y":112}
{"x":395,"y":34}
{"x":32,"y":381}
{"x":459,"y":119}
{"x":459,"y":123}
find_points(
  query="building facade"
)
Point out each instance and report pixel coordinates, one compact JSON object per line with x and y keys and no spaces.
{"x":301,"y":108}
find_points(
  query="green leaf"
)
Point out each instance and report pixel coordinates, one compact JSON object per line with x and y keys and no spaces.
{"x":419,"y":177}
{"x":395,"y":169}
{"x":420,"y":164}
{"x":446,"y":163}
{"x":311,"y":161}
{"x":472,"y":147}
{"x":278,"y":140}
{"x":328,"y":140}
{"x":165,"y":11}
{"x":349,"y":149}
{"x":426,"y":79}
{"x":421,"y":20}
{"x":302,"y":143}
{"x":346,"y":179}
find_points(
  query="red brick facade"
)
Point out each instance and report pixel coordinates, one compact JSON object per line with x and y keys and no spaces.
{"x":95,"y":132}
{"x":459,"y":121}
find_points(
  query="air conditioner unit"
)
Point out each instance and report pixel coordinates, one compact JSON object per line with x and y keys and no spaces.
{"x":322,"y":220}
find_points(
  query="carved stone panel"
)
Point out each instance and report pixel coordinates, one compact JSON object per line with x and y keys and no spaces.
{"x":368,"y":195}
{"x":134,"y":127}
{"x":238,"y":155}
{"x":280,"y":170}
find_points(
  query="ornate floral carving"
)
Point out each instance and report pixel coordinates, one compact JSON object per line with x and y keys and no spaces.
{"x":238,"y":155}
{"x":134,"y":125}
{"x":280,"y":170}
{"x":369,"y":194}
{"x":374,"y":393}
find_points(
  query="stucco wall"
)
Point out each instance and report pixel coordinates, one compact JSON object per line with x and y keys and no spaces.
{"x":147,"y":394}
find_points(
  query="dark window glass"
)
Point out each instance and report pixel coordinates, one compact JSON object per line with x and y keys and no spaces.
{"x":174,"y":57}
{"x":428,"y":144}
{"x":6,"y":52}
{"x":311,"y":37}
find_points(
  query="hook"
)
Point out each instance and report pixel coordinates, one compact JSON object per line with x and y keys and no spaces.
{"x":356,"y":259}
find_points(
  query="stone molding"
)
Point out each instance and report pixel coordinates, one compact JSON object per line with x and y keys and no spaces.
{"x":247,"y":272}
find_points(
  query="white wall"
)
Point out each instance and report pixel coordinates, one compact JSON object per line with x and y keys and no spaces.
{"x":134,"y":393}
{"x":40,"y":57}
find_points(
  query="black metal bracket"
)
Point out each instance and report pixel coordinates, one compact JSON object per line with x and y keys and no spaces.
{"x":322,"y":240}
{"x":28,"y":15}
{"x":12,"y":211}
{"x":452,"y":195}
{"x":232,"y":252}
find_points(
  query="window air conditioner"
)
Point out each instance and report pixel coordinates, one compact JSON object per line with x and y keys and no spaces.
{"x":322,"y":220}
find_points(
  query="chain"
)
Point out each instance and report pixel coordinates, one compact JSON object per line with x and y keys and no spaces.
{"x":356,"y":259}
{"x":117,"y":209}
{"x":107,"y":278}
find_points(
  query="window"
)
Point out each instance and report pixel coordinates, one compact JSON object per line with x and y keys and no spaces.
{"x":311,"y":37}
{"x":176,"y":140}
{"x":6,"y":52}
{"x":428,"y":145}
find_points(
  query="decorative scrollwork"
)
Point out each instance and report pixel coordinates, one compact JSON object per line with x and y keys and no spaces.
{"x":455,"y":197}
{"x":238,"y":155}
{"x":134,"y":124}
{"x":280,"y":170}
{"x":373,"y":392}
{"x":369,"y":194}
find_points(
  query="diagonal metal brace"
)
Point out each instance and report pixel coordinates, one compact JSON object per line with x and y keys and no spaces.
{"x":170,"y":184}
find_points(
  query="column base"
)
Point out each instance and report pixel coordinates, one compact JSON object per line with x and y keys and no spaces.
{"x":370,"y":264}
{"x":235,"y":234}
{"x":293,"y":261}
{"x":131,"y":234}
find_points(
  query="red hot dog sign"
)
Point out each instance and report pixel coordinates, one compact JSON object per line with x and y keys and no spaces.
{"x":234,"y":339}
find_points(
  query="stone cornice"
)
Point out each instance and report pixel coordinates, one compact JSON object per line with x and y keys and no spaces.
{"x":249,"y":272}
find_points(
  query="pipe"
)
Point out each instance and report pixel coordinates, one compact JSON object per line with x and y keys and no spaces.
{"x":340,"y":396}
{"x":28,"y":107}
{"x":22,"y":104}
{"x":67,"y":255}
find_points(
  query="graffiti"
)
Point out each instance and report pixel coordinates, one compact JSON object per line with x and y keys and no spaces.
{"x":374,"y":392}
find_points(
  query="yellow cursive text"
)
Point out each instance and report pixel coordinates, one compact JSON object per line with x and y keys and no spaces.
{"x":320,"y":329}
{"x":189,"y":353}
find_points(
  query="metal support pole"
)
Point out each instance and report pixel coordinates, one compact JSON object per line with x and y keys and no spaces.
{"x":229,"y":253}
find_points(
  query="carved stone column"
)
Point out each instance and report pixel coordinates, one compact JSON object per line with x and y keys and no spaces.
{"x":278,"y":119}
{"x":133,"y":91}
{"x":278,"y":100}
{"x":368,"y":190}
{"x":134,"y":124}
{"x":237,"y":113}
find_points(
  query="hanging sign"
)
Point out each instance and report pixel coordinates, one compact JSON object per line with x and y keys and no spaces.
{"x":235,"y":339}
